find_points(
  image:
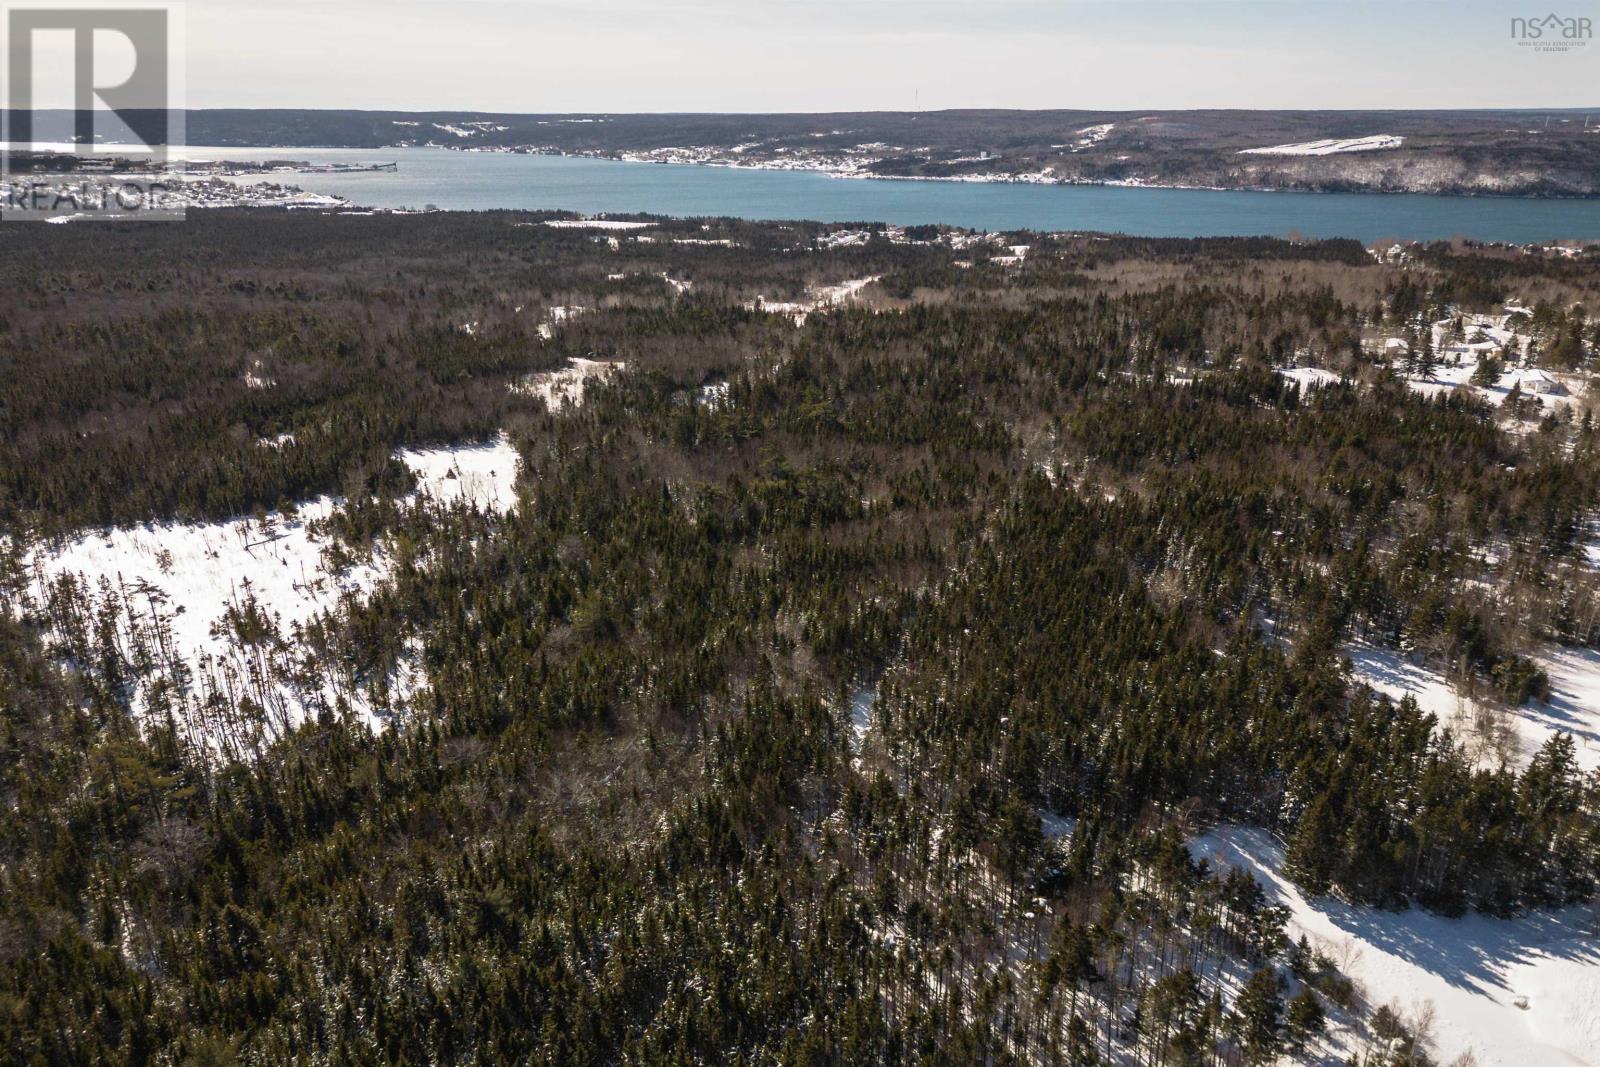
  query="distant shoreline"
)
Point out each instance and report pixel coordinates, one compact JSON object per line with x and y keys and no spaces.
{"x":991,"y":178}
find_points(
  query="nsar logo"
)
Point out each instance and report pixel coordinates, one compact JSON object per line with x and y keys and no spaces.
{"x":1552,"y":33}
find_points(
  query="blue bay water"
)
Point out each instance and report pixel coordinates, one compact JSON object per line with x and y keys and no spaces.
{"x":482,"y":181}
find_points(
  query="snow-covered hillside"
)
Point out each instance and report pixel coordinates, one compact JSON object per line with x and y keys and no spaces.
{"x":1328,"y":147}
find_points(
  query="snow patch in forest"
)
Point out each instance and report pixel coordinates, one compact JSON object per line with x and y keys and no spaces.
{"x":1488,"y":728}
{"x":1056,"y":827}
{"x":254,"y":379}
{"x":1591,"y":542}
{"x":862,"y":701}
{"x":712,"y":395}
{"x":482,"y":475}
{"x":1309,"y":376}
{"x":1014,"y":256}
{"x":564,"y":387}
{"x":596,"y":224}
{"x":1329,"y":146}
{"x":817,"y":298}
{"x":1090,"y":136}
{"x":1574,"y":706}
{"x":830,"y":295}
{"x":1509,"y":991}
{"x":558,"y":315}
{"x":173,"y":587}
{"x":1397,"y":676}
{"x":212,"y":612}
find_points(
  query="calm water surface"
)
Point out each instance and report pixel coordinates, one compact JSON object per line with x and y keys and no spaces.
{"x":479,"y":181}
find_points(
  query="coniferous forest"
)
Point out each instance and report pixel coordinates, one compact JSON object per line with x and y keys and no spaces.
{"x":860,"y":652}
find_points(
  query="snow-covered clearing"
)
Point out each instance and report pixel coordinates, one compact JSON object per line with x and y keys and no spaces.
{"x":1491,"y":734}
{"x":862,"y":702}
{"x":563,"y":387}
{"x":817,"y":298}
{"x":597,"y":224}
{"x":1455,"y":373}
{"x":480,"y":475}
{"x":1309,"y":376}
{"x":1393,"y":674}
{"x":1015,"y":254}
{"x":1574,"y":706}
{"x":183,"y":579}
{"x":1057,"y":827}
{"x":1457,"y":355}
{"x":1329,"y":146}
{"x":830,"y":295}
{"x":190,"y":599}
{"x":1511,"y":992}
{"x":557,"y":316}
{"x":844,"y":238}
{"x":1591,"y":543}
{"x":1484,"y":724}
{"x":712,"y":395}
{"x":1088,"y":137}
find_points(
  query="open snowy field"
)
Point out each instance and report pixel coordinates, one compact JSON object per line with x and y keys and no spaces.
{"x":1507,"y":992}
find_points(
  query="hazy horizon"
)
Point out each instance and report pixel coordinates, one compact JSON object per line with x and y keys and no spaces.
{"x":1531,"y":109}
{"x":771,"y":56}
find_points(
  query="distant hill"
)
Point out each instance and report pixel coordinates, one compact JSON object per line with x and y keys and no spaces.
{"x":1516,"y":153}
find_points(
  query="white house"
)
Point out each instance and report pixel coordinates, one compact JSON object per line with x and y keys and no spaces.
{"x":1537,"y":381}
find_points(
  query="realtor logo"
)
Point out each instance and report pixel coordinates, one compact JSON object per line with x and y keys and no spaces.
{"x":93,"y":110}
{"x":1552,"y":33}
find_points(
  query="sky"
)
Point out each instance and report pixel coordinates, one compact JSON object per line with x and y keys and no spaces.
{"x":822,"y":55}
